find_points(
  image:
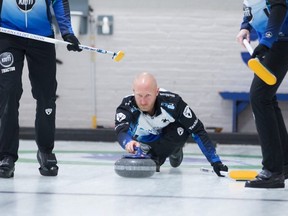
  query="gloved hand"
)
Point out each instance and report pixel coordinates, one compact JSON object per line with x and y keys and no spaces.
{"x":218,"y":166}
{"x":260,"y":52}
{"x":75,"y":42}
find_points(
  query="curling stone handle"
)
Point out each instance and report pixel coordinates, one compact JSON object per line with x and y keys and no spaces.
{"x":138,"y":151}
{"x":139,"y":154}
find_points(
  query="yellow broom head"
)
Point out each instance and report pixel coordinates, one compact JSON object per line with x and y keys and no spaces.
{"x":261,"y":71}
{"x":119,"y":56}
{"x":243,"y":175}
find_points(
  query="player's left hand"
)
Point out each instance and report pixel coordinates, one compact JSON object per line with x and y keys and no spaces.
{"x":260,"y":51}
{"x":74,"y":46}
{"x":219,"y":166}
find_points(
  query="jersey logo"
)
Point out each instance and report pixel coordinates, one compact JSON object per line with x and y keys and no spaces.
{"x":180,"y":131}
{"x":187,"y":112}
{"x":48,"y":111}
{"x":268,"y":34}
{"x":194,"y":124}
{"x":6,"y":61}
{"x":25,"y":5}
{"x":165,"y":120}
{"x":120,"y":117}
{"x":168,"y":105}
{"x":247,"y":13}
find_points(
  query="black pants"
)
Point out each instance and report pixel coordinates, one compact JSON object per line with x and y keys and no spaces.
{"x":268,"y":117}
{"x":41,"y":61}
{"x":172,"y":139}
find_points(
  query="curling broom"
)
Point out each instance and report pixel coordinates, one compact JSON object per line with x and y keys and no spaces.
{"x":259,"y":69}
{"x":238,"y":175}
{"x":115,"y":56}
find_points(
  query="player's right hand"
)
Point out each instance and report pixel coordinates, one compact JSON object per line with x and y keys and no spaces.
{"x":130,"y":146}
{"x":260,"y":52}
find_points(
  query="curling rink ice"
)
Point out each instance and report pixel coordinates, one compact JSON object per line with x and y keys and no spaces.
{"x":87,"y":185}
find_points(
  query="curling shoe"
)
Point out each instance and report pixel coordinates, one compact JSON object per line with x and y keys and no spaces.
{"x":157,"y":164}
{"x":7,"y":167}
{"x":176,"y":158}
{"x":267,"y":179}
{"x":48,"y":164}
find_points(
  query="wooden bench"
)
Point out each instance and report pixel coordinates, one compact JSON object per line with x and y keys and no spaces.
{"x":240,"y":101}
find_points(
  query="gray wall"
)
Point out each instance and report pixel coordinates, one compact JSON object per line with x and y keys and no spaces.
{"x":189,"y":45}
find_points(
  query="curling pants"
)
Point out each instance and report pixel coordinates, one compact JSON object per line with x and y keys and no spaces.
{"x":268,"y":117}
{"x":173,"y":138}
{"x":41,"y":62}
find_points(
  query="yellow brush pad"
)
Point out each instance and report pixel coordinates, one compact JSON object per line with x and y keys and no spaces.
{"x":262,"y":72}
{"x":119,"y":56}
{"x":242,"y":175}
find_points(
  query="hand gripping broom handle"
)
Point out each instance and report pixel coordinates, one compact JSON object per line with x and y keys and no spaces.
{"x":116,"y":56}
{"x":258,"y":68}
{"x":248,"y":46}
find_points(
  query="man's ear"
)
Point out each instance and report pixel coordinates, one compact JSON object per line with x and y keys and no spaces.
{"x":157,"y":92}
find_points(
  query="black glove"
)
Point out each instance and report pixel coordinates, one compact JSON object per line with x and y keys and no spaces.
{"x":218,"y":166}
{"x":75,"y":43}
{"x":260,"y":52}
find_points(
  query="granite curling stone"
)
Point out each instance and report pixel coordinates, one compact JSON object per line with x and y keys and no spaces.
{"x":138,"y":165}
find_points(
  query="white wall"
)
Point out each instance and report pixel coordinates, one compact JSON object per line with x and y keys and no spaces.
{"x":189,"y":45}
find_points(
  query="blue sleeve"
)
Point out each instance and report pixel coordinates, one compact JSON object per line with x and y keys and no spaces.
{"x":276,"y":19}
{"x":246,"y":25}
{"x":206,"y":146}
{"x":62,"y":14}
{"x":246,"y":18}
{"x":193,"y":125}
{"x":123,"y":138}
{"x":123,"y":119}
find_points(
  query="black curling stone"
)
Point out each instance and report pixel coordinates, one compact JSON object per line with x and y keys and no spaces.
{"x":138,"y":165}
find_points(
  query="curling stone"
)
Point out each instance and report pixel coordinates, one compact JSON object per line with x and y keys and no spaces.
{"x":137,"y":165}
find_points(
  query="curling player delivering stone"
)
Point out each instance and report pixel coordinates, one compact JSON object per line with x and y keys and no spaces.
{"x":160,"y":122}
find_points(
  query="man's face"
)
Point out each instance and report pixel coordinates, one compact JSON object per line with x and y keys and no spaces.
{"x":145,"y":97}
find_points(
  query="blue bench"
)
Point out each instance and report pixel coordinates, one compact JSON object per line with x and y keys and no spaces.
{"x":240,"y":101}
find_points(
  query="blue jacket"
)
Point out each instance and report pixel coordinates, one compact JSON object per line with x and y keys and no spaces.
{"x":35,"y":16}
{"x":269,"y":19}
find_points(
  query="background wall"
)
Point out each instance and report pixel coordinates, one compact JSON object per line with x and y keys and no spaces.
{"x":189,"y":45}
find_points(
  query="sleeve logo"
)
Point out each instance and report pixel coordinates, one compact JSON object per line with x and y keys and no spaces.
{"x":180,"y":131}
{"x":187,"y":112}
{"x":268,"y":34}
{"x":120,"y":117}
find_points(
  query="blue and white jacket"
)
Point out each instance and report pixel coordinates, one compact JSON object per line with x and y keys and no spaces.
{"x":35,"y":16}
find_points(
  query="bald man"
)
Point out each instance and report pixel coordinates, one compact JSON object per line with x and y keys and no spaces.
{"x":160,"y":122}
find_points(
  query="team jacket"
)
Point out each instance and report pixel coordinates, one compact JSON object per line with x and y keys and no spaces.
{"x":35,"y":16}
{"x":132,"y":124}
{"x":256,"y":14}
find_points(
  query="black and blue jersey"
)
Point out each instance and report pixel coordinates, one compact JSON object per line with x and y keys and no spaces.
{"x":133,"y":124}
{"x":35,"y":16}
